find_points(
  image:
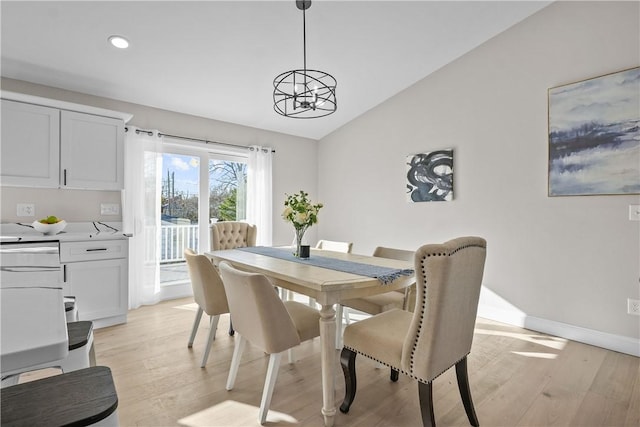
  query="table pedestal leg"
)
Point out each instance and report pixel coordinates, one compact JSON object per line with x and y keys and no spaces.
{"x":328,"y":359}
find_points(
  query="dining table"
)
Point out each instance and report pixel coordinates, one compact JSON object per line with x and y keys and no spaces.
{"x":323,"y":278}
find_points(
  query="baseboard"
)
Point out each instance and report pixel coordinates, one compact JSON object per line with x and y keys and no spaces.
{"x":175,"y":290}
{"x":109,"y":321}
{"x":613,"y":342}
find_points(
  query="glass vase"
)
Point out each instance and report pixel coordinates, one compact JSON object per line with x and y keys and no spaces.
{"x":299,"y":240}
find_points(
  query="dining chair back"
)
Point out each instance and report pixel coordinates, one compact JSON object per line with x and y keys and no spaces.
{"x":209,"y":295}
{"x":232,"y":235}
{"x":437,"y":336}
{"x":330,"y":245}
{"x":267,"y":322}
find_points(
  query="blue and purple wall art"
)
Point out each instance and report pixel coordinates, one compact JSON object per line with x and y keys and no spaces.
{"x":594,"y":136}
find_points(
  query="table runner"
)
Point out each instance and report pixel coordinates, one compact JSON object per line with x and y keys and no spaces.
{"x":385,"y":275}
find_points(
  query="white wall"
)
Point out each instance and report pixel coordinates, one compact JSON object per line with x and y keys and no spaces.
{"x":564,"y":265}
{"x":294,"y":163}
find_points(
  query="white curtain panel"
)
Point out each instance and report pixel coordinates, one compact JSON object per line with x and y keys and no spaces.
{"x":259,"y":193}
{"x":141,"y":214}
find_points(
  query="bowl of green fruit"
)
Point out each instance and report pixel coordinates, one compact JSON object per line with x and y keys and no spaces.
{"x":50,"y":225}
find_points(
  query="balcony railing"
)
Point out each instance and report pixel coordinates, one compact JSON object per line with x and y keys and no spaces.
{"x":174,"y":239}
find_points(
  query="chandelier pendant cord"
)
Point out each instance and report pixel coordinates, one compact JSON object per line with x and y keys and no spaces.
{"x":304,"y":41}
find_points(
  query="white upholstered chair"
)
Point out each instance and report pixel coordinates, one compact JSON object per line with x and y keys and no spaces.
{"x":208,"y":293}
{"x":232,"y":234}
{"x":268,"y":323}
{"x":437,"y":336}
{"x":330,"y":245}
{"x":401,"y":298}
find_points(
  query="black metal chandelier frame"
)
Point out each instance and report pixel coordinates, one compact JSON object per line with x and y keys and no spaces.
{"x":303,"y":93}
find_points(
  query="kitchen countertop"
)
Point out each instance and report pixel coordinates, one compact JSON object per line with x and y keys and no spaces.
{"x":74,"y":231}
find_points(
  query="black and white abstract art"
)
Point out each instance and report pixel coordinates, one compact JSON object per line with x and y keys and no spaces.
{"x":430,"y":176}
{"x":594,"y":136}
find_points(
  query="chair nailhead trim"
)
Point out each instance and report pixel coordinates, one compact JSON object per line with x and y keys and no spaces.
{"x":422,"y":380}
{"x":423,"y":302}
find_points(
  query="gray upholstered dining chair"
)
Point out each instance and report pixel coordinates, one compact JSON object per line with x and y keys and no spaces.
{"x":437,"y":336}
{"x":401,"y":298}
{"x":267,"y":322}
{"x":208,"y":293}
{"x":232,"y":234}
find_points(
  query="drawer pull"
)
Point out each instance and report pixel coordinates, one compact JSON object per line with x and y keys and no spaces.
{"x":96,"y":249}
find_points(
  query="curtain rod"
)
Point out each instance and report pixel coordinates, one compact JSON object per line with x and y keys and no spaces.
{"x":205,"y":141}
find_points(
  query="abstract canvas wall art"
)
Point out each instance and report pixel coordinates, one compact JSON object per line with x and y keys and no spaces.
{"x":430,"y":176}
{"x":594,"y":136}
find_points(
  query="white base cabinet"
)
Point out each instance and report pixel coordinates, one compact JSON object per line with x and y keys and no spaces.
{"x":96,"y":273}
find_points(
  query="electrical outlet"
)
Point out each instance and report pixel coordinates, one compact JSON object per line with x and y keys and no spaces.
{"x":633,"y":306}
{"x":26,"y":209}
{"x":109,"y":209}
{"x":634,"y":212}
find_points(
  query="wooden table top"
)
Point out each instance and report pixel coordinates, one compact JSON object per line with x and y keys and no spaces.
{"x":317,"y":282}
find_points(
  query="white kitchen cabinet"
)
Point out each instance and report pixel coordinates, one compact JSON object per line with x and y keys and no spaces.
{"x":92,"y":151}
{"x":55,"y":144}
{"x":96,"y":273}
{"x":30,"y":145}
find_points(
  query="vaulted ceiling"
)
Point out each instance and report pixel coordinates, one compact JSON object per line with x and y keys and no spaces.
{"x":218,"y":59}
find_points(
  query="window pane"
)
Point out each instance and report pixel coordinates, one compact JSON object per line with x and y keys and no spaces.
{"x":179,"y":214}
{"x":227,"y":190}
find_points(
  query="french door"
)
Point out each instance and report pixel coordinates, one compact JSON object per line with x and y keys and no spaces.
{"x":198,"y":187}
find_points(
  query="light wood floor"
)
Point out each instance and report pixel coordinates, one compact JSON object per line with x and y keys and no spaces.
{"x":517,"y":377}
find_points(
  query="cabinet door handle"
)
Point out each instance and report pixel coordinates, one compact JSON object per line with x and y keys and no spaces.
{"x":64,"y":273}
{"x":96,"y":249}
{"x":65,"y":176}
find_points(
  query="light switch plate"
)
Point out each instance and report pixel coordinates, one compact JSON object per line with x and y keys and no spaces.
{"x":26,"y":209}
{"x":109,"y":209}
{"x":634,"y":212}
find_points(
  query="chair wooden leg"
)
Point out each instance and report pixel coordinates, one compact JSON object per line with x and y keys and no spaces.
{"x":394,"y":375}
{"x":269,"y":385}
{"x":426,"y":404}
{"x":196,"y":323}
{"x":465,"y":392}
{"x":213,"y":325}
{"x":231,"y":331}
{"x":235,"y":361}
{"x":348,"y":362}
{"x":339,"y":322}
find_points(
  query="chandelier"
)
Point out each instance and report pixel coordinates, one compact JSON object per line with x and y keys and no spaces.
{"x":304,"y":94}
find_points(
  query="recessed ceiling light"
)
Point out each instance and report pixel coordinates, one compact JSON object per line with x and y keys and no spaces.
{"x":119,"y":42}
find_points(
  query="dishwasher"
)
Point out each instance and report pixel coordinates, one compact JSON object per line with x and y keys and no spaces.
{"x":33,"y":321}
